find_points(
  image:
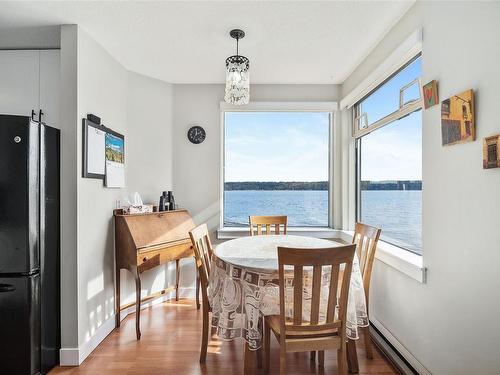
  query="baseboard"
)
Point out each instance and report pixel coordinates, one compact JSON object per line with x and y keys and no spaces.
{"x":395,"y":350}
{"x":75,"y":356}
{"x":69,"y":357}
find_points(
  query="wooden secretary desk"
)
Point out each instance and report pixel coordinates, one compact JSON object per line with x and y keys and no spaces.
{"x":144,"y":241}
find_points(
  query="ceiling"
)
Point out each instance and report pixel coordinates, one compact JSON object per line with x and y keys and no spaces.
{"x":188,"y":41}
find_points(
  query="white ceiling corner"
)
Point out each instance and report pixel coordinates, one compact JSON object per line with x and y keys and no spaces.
{"x":187,"y":41}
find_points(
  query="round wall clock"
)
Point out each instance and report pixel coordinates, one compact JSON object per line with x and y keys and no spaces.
{"x":196,"y":134}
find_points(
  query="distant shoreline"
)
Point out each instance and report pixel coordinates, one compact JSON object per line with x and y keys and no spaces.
{"x":321,"y":185}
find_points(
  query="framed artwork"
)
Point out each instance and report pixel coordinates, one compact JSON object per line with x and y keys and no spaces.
{"x":103,"y":154}
{"x":430,"y":91}
{"x":94,"y":162}
{"x":457,"y":119}
{"x":115,"y":159}
{"x":491,"y":152}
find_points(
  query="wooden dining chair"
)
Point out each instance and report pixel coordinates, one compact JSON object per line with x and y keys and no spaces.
{"x":366,"y":238}
{"x":203,"y":252}
{"x":258,"y":223}
{"x":296,"y":335}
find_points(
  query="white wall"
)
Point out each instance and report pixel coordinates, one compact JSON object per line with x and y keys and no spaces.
{"x":68,"y":126}
{"x":449,"y":324}
{"x":149,"y":162}
{"x":102,"y":90}
{"x":141,"y":109}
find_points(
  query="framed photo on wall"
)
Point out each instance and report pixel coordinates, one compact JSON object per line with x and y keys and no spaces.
{"x":457,"y":119}
{"x":115,"y":159}
{"x":93,"y":158}
{"x":103,"y":154}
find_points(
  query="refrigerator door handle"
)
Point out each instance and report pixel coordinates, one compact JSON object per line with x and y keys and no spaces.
{"x":4,"y":288}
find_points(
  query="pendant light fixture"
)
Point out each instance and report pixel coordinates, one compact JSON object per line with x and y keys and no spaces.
{"x":237,"y":74}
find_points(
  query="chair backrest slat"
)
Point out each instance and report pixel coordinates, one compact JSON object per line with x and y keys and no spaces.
{"x":332,"y":295}
{"x":263,"y":224}
{"x":297,"y":294}
{"x":366,"y":239}
{"x":316,"y":295}
{"x":203,"y":250}
{"x":316,"y":259}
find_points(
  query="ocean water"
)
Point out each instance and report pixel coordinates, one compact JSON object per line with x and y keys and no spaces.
{"x":398,"y":213}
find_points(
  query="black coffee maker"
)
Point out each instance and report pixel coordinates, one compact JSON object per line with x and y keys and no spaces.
{"x":167,"y":201}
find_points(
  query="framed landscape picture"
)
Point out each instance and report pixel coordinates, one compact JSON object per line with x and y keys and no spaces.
{"x":457,"y":119}
{"x":430,"y":91}
{"x":491,"y":152}
{"x":115,"y":159}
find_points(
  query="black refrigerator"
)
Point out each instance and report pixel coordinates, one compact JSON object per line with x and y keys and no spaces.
{"x":29,"y":246}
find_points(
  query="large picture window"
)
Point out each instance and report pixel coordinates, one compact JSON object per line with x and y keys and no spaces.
{"x":276,"y":163}
{"x":389,"y":158}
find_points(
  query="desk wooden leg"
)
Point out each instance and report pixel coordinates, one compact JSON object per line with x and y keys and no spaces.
{"x":137,"y":304}
{"x":250,"y":361}
{"x":197,"y":289}
{"x":177,"y":275}
{"x":352,"y":357}
{"x":117,"y":298}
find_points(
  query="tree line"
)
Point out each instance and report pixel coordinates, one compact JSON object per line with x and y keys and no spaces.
{"x":320,"y":185}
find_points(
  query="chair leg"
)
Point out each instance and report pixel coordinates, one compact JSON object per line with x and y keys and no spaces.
{"x":267,"y":347}
{"x":204,"y":338}
{"x":137,"y":304}
{"x":368,"y":343}
{"x":197,"y":289}
{"x":282,"y":362}
{"x":321,"y":358}
{"x":342,"y":361}
{"x":313,"y":356}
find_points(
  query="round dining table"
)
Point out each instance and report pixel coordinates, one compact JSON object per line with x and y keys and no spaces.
{"x":243,"y":288}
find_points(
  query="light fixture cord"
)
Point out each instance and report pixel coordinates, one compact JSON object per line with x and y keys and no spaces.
{"x":237,"y":46}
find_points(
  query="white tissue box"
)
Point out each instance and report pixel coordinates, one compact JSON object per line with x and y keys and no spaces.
{"x":143,"y":209}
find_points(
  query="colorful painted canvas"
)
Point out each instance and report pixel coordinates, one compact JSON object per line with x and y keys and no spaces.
{"x":115,"y":148}
{"x":431,"y":97}
{"x":457,"y":119}
{"x":491,"y":152}
{"x":115,"y":160}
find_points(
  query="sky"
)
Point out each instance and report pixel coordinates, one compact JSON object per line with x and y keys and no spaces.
{"x":393,"y":152}
{"x":294,"y":146}
{"x":276,"y":146}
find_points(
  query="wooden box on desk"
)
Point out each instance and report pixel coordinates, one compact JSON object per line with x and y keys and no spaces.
{"x":144,"y":241}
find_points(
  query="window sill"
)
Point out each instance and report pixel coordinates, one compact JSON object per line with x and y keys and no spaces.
{"x":228,"y":233}
{"x":404,"y":261}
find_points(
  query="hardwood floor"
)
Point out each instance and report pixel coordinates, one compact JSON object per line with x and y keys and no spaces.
{"x":170,"y":344}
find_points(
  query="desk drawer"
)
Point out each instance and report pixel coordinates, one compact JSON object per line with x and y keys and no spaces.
{"x":150,"y":259}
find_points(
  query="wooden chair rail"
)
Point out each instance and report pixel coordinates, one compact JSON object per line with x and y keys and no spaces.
{"x":259,"y":223}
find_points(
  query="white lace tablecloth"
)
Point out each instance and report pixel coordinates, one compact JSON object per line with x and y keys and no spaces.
{"x":244,"y":287}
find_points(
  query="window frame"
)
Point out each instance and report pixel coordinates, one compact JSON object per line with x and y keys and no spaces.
{"x":323,"y":107}
{"x":404,"y":110}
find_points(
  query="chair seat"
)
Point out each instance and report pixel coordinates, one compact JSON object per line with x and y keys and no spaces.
{"x":274,"y":323}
